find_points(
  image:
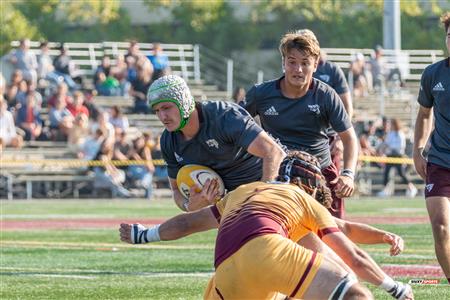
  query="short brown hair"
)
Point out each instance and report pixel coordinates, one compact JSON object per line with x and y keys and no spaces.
{"x":300,"y":41}
{"x":445,"y":19}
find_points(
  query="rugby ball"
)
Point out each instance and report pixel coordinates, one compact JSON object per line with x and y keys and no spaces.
{"x":190,"y":175}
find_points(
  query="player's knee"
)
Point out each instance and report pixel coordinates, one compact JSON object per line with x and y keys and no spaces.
{"x":358,"y":292}
{"x":440,"y":230}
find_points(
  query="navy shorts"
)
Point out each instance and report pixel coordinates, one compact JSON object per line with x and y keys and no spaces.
{"x":437,"y":182}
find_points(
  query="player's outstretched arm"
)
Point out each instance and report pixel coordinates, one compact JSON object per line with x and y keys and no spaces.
{"x":365,"y":234}
{"x":175,"y":228}
{"x":364,"y":266}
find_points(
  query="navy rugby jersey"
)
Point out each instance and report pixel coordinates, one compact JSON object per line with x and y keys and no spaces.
{"x":435,"y":92}
{"x":299,"y":124}
{"x":226,"y":131}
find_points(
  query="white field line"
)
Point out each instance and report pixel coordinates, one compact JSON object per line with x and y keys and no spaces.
{"x":58,"y":276}
{"x":55,"y":216}
{"x":113,"y":246}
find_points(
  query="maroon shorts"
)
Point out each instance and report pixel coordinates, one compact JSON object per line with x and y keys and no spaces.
{"x":438,"y":181}
{"x":336,"y":153}
{"x":337,"y":206}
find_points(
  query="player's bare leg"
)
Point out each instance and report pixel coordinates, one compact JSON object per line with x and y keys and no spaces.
{"x":439,"y":212}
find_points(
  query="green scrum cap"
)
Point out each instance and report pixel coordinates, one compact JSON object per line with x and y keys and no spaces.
{"x":172,"y":88}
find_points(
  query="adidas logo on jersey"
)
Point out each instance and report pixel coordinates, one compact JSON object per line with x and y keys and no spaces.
{"x":439,"y":87}
{"x":325,"y":78}
{"x":429,"y":187}
{"x":271,"y":112}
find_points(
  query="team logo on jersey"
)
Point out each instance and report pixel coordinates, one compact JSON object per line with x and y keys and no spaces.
{"x":177,"y":157}
{"x":271,"y":111}
{"x":325,"y":77}
{"x":212,"y":143}
{"x":314,"y":108}
{"x":429,"y":187}
{"x":438,"y":87}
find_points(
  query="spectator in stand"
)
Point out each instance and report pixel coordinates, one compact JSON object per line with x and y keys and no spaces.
{"x":61,"y":93}
{"x":61,"y":121}
{"x":120,"y":71}
{"x":28,"y":119}
{"x":78,"y":134}
{"x":107,"y":85}
{"x":141,"y":174}
{"x":8,"y":135}
{"x":17,"y":84}
{"x":383,"y":130}
{"x":107,"y":128}
{"x":394,"y":146}
{"x":140,"y":85}
{"x":378,"y":68}
{"x":131,"y":68}
{"x":65,"y":67}
{"x":118,"y":119}
{"x":121,"y":147}
{"x":25,"y":60}
{"x":45,"y":66}
{"x":238,"y":95}
{"x":160,"y":61}
{"x":21,"y":97}
{"x":358,"y":72}
{"x":105,"y":68}
{"x":89,"y":98}
{"x":77,"y":107}
{"x":160,"y":169}
{"x":133,"y":51}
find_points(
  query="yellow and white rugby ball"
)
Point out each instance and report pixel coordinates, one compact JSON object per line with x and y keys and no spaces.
{"x":189,"y":175}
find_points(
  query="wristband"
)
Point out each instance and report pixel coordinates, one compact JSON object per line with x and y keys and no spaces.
{"x":153,"y":234}
{"x":348,"y":173}
{"x":387,"y":284}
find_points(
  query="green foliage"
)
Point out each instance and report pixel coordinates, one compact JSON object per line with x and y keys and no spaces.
{"x":14,"y":25}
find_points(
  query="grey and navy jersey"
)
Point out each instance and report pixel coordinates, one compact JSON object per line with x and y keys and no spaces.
{"x":435,"y":92}
{"x":332,"y":74}
{"x":226,"y":131}
{"x":299,"y":124}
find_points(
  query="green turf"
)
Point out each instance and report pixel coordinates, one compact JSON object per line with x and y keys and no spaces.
{"x":93,"y":263}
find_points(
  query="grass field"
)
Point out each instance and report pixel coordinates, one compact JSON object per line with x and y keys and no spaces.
{"x":47,"y":252}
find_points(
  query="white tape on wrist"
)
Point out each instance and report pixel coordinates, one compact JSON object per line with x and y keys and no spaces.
{"x":140,"y":234}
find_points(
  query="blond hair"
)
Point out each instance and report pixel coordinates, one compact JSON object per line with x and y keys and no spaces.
{"x":302,"y":40}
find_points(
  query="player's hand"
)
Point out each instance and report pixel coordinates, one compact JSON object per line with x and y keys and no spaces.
{"x":420,"y":164}
{"x":344,"y":186}
{"x":207,"y":196}
{"x":125,"y":233}
{"x":396,"y":242}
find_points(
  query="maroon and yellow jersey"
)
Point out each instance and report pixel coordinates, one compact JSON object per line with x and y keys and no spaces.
{"x":262,"y":208}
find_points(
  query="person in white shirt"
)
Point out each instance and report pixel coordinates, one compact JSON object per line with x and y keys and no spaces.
{"x":8,"y":135}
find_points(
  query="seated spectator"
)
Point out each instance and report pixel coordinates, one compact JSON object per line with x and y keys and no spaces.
{"x":21,"y":97}
{"x":394,"y":146}
{"x":141,"y":174}
{"x":122,"y":147}
{"x":29,"y":120}
{"x":118,"y":119}
{"x":160,"y":169}
{"x":16,"y":85}
{"x":61,"y":93}
{"x":105,"y":68}
{"x":358,"y":72}
{"x":103,"y":124}
{"x":139,"y":87}
{"x":65,"y":67}
{"x":107,"y":85}
{"x":239,"y":95}
{"x":25,"y":60}
{"x":378,"y":69}
{"x":91,"y":146}
{"x":120,"y":72}
{"x":160,"y":61}
{"x":45,"y":67}
{"x":131,"y":68}
{"x":77,"y":107}
{"x":133,"y":51}
{"x":61,"y":121}
{"x":8,"y":135}
{"x":78,"y":134}
{"x":89,"y":102}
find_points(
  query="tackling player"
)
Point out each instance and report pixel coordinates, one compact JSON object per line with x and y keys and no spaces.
{"x":298,"y":109}
{"x":217,"y":134}
{"x":256,"y":256}
{"x":434,"y":95}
